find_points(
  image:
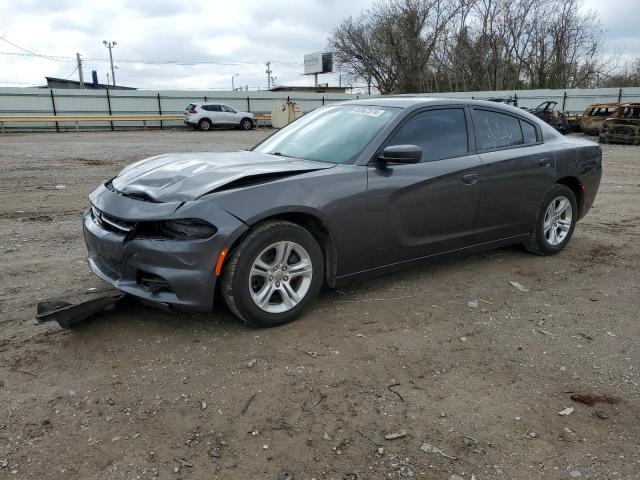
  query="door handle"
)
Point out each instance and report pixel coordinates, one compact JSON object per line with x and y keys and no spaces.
{"x":470,"y":178}
{"x":544,"y":162}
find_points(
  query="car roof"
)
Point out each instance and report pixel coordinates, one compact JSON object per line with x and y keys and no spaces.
{"x":600,"y":105}
{"x":411,"y":102}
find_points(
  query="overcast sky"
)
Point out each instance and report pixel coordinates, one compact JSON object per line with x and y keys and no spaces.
{"x":246,"y":33}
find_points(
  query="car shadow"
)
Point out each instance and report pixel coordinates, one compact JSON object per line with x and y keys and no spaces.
{"x":135,"y":316}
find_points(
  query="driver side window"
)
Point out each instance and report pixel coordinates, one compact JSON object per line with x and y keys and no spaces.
{"x":440,"y":133}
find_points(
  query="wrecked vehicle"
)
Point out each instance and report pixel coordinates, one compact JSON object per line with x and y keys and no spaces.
{"x":506,"y":100}
{"x":346,"y":192}
{"x":548,"y":112}
{"x":624,"y":128}
{"x":594,"y":115}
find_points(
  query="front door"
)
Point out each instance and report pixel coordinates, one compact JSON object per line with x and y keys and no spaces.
{"x":229,"y":116}
{"x":418,"y":210}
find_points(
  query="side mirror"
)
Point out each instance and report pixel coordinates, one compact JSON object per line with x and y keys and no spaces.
{"x":401,"y":154}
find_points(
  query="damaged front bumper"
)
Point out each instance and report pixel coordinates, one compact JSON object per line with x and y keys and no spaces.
{"x":175,"y":273}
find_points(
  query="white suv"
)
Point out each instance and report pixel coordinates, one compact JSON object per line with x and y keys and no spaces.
{"x":206,"y":116}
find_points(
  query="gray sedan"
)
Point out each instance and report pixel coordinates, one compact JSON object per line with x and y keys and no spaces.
{"x":346,"y":192}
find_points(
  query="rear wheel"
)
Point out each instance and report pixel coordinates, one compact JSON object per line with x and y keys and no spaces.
{"x":204,"y":124}
{"x":246,"y":124}
{"x":555,"y":221}
{"x":274,"y":274}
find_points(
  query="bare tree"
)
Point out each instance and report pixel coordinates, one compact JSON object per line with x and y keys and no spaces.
{"x":627,"y":76}
{"x":451,"y":45}
{"x":393,"y":43}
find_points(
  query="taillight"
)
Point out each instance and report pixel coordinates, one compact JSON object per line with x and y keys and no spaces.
{"x":192,"y":110}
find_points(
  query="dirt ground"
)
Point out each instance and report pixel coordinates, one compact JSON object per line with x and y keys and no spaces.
{"x":141,"y":393}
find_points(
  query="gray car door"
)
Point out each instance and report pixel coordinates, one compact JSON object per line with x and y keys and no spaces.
{"x":517,"y":170}
{"x":229,"y":116}
{"x":215,"y":114}
{"x":417,"y":210}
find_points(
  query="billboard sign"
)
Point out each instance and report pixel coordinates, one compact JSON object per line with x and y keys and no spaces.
{"x":313,"y":63}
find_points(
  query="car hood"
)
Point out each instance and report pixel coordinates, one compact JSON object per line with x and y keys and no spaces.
{"x":187,"y":176}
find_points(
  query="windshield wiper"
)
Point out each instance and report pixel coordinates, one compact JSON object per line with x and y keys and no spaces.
{"x":280,"y":154}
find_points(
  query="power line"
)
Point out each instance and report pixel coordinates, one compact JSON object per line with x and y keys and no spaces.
{"x":69,"y":76}
{"x":27,"y":52}
{"x":59,"y":58}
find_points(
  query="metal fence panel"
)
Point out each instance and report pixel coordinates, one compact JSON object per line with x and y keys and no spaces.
{"x":34,"y":101}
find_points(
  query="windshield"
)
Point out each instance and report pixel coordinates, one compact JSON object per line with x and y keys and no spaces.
{"x":335,"y":134}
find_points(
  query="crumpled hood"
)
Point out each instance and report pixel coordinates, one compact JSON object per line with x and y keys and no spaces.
{"x":186,"y":176}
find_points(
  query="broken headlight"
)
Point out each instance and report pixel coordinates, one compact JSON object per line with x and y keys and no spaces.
{"x":187,"y":229}
{"x":183,"y":229}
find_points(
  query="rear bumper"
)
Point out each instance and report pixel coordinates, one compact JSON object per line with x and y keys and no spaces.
{"x":590,"y":183}
{"x":169,"y":272}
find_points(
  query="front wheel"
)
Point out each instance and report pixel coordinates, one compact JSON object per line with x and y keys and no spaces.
{"x":555,"y":222}
{"x":274,"y":274}
{"x":246,"y":124}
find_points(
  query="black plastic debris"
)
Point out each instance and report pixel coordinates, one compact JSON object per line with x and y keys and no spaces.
{"x":68,"y":314}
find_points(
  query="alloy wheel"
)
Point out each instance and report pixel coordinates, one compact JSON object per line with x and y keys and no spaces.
{"x":557,"y":220}
{"x":280,"y":277}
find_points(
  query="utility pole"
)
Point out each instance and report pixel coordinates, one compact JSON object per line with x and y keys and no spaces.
{"x":80,"y":71}
{"x":268,"y":72}
{"x":110,"y":45}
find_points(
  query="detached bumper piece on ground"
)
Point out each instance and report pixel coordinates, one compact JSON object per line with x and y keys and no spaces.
{"x":67,"y":314}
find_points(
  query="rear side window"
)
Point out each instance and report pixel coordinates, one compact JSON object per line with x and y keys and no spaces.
{"x":496,"y":130}
{"x":601,"y":112}
{"x":212,"y":108}
{"x":528,"y":132}
{"x":440,"y":133}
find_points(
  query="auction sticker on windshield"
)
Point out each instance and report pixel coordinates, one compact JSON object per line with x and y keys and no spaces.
{"x":368,"y":111}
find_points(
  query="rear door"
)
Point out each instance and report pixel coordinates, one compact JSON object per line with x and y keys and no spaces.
{"x":418,"y":210}
{"x":517,"y":170}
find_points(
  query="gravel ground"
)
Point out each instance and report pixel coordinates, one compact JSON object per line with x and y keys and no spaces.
{"x":140,"y":393}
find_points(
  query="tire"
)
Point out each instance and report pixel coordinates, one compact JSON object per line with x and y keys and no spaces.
{"x":204,"y":124}
{"x":552,"y":231}
{"x":255,"y":272}
{"x":246,"y":124}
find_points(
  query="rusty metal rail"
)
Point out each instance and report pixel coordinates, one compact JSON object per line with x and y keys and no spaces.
{"x":77,"y":119}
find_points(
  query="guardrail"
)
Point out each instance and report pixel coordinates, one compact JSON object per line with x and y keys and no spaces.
{"x":87,"y":118}
{"x":260,"y":117}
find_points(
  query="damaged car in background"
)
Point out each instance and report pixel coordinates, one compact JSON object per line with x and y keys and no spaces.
{"x":624,"y":127}
{"x":562,"y":121}
{"x":344,"y":193}
{"x":595,"y":115}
